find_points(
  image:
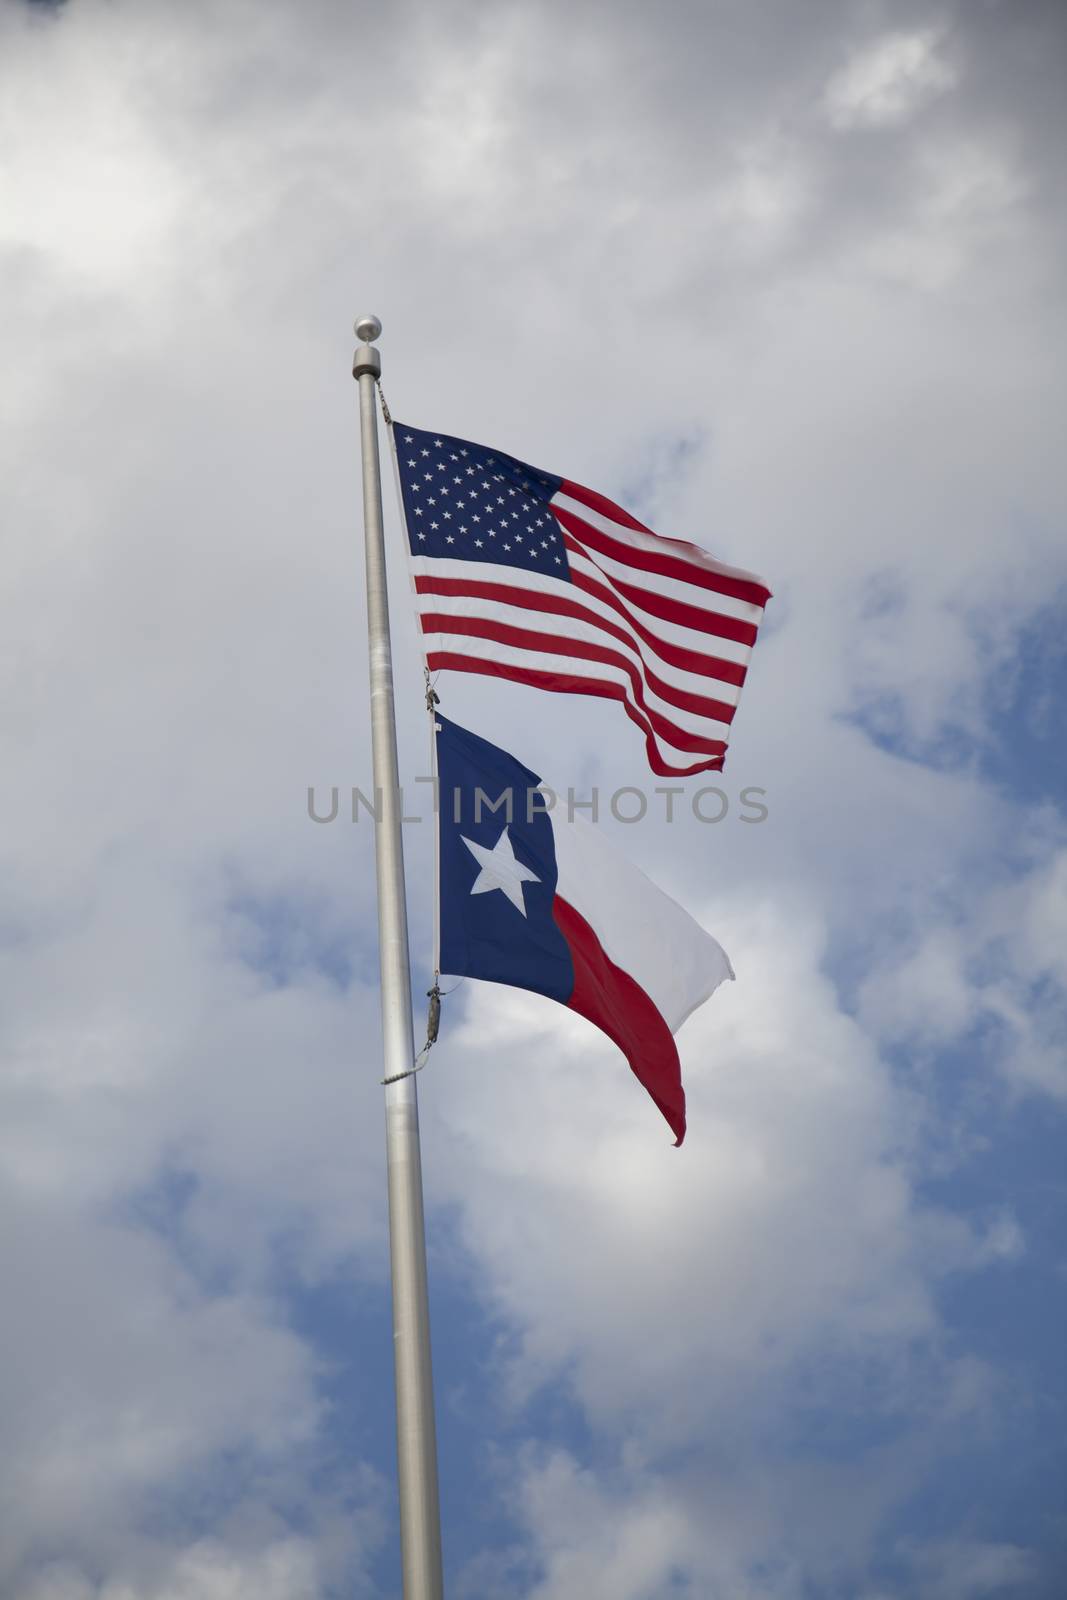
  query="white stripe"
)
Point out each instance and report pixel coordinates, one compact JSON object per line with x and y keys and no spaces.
{"x":674,"y":589}
{"x":595,"y":671}
{"x":656,"y":543}
{"x":641,"y":929}
{"x":705,"y":644}
{"x":708,"y":644}
{"x":489,"y":572}
{"x":563,"y":627}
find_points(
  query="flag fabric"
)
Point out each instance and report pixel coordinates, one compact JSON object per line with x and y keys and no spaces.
{"x":545,"y":903}
{"x":524,"y":575}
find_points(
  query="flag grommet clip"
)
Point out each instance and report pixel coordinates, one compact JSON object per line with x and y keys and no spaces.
{"x":433,"y":1024}
{"x":432,"y":699}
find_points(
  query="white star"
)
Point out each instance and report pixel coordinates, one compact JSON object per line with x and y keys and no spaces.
{"x":433,"y":525}
{"x":449,"y":539}
{"x":408,"y":439}
{"x":478,"y":542}
{"x":500,"y":870}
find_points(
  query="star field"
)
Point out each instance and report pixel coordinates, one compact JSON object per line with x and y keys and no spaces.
{"x":465,"y":502}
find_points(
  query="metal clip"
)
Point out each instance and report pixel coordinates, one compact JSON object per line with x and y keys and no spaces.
{"x":433,"y":1024}
{"x":433,"y":1021}
{"x":432,"y":697}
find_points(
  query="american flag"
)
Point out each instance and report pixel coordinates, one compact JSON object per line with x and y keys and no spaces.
{"x":524,"y":575}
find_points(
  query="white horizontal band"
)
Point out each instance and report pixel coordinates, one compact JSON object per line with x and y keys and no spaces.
{"x":567,"y":627}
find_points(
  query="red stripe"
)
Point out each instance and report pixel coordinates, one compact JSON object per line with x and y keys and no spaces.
{"x":565,"y":683}
{"x":616,"y":1004}
{"x":665,"y":564}
{"x":601,"y":503}
{"x":680,"y":738}
{"x":660,"y":605}
{"x":564,"y":605}
{"x":677,"y":655}
{"x":584,"y":650}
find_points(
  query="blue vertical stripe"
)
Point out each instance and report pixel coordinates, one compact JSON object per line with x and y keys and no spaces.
{"x":484,"y":935}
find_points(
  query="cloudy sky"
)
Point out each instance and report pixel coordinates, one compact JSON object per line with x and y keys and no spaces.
{"x":787,"y":280}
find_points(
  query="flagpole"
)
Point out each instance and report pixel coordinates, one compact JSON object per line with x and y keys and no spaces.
{"x":420,"y":1516}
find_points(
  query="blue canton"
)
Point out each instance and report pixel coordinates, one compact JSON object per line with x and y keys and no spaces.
{"x":466,"y":502}
{"x":484,"y":935}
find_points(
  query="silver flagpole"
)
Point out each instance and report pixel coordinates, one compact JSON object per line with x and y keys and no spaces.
{"x":420,"y":1515}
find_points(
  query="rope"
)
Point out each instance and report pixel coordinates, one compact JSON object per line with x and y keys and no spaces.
{"x":435,"y":994}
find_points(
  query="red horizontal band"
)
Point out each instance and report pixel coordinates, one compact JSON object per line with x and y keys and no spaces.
{"x":679,"y":611}
{"x":677,"y":655}
{"x":615,"y":1003}
{"x":667,"y":563}
{"x":443,"y":622}
{"x":565,"y":683}
{"x":601,"y":503}
{"x":568,"y":605}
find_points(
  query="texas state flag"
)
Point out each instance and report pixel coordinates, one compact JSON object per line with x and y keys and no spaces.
{"x":536,"y":900}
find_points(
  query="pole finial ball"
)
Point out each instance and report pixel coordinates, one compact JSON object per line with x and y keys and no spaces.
{"x":368,"y":329}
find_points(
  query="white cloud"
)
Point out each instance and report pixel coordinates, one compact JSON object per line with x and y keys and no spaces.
{"x":123,"y":1379}
{"x":595,"y":1545}
{"x":571,"y":247}
{"x":992,"y":974}
{"x":888,"y":80}
{"x":256,"y":1562}
{"x":667,"y":1285}
{"x":966,"y":1569}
